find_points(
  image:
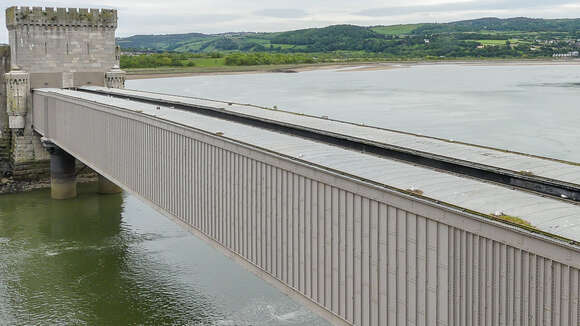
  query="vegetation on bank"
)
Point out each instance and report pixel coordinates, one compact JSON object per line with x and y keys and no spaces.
{"x":260,"y":58}
{"x":516,"y":38}
{"x":223,"y":59}
{"x":156,"y":60}
{"x":175,"y":62}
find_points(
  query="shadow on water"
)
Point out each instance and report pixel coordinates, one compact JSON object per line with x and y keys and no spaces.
{"x":74,"y":262}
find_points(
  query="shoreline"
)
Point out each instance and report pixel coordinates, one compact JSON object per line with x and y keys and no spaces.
{"x":10,"y":186}
{"x":230,"y":70}
{"x":152,"y":73}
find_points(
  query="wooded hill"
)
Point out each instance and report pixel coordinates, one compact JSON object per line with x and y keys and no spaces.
{"x":479,"y":38}
{"x":349,"y":37}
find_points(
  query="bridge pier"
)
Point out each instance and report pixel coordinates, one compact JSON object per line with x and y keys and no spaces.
{"x":107,"y":187}
{"x":63,"y":183}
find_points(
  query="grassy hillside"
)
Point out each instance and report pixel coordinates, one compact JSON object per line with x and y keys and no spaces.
{"x":161,"y":42}
{"x":519,"y":24}
{"x":349,"y":37}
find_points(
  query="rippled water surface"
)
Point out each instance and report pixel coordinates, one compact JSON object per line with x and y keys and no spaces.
{"x":112,"y":260}
{"x":528,"y":108}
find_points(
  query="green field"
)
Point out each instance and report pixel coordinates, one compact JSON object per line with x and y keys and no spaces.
{"x":288,"y":46}
{"x":396,"y":29}
{"x":492,"y":42}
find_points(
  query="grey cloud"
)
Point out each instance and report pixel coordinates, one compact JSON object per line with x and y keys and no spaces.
{"x":216,"y":16}
{"x":174,"y":24}
{"x":461,"y":6}
{"x":184,"y":19}
{"x":282,"y":13}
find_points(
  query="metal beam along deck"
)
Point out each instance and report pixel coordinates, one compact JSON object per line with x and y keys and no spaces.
{"x":522,"y":179}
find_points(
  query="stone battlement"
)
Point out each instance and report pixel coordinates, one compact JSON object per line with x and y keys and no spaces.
{"x":65,"y":17}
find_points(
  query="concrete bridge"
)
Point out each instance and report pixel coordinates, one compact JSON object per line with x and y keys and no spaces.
{"x":367,"y":226}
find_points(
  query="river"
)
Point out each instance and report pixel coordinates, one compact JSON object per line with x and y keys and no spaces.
{"x":529,"y":108}
{"x":112,"y":260}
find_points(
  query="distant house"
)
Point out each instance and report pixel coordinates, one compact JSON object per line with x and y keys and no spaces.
{"x":136,"y":53}
{"x":566,"y":55}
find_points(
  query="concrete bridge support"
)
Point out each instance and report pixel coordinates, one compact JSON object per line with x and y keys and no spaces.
{"x":63,"y":184}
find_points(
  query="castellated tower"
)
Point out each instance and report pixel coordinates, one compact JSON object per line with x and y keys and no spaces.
{"x":52,"y":47}
{"x":77,"y":45}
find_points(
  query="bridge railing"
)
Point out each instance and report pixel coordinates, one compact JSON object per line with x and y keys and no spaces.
{"x":366,"y":254}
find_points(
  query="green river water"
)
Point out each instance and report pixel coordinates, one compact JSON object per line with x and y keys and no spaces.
{"x":112,"y":260}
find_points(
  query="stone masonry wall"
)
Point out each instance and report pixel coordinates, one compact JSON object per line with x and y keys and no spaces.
{"x":62,"y":40}
{"x":4,"y":130}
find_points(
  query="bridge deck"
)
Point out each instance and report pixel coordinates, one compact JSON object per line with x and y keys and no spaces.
{"x":502,"y":161}
{"x":556,"y":217}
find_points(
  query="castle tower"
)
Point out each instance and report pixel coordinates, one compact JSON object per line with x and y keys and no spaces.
{"x":57,"y":48}
{"x":62,"y":47}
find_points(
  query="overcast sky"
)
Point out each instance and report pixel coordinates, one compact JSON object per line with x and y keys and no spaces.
{"x":214,"y":16}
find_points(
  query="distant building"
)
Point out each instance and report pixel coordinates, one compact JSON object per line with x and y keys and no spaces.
{"x":566,"y":55}
{"x":137,"y":53}
{"x":427,"y":41}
